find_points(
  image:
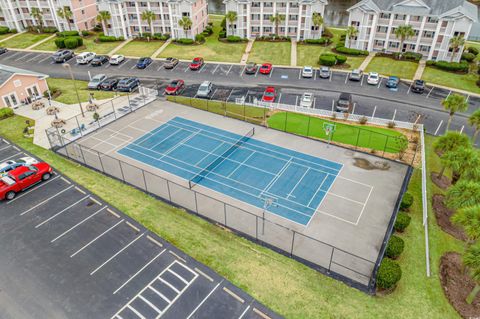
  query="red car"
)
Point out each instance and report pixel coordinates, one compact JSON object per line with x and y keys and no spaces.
{"x":175,"y":87}
{"x":196,"y":64}
{"x":266,"y":68}
{"x":269,"y":94}
{"x":22,"y":178}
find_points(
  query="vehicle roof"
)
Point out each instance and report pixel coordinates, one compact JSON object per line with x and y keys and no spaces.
{"x":19,"y":170}
{"x":307,"y":67}
{"x":373,"y":73}
{"x":270,"y":88}
{"x":101,"y":75}
{"x":85,"y":53}
{"x":345,"y":95}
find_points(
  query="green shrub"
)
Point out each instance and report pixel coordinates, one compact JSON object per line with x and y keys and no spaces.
{"x":13,"y":31}
{"x":412,"y":56}
{"x":402,"y":222}
{"x":327,"y":60}
{"x":67,"y":34}
{"x":321,"y":41}
{"x":4,"y":30}
{"x":5,"y":112}
{"x":389,"y":273}
{"x":86,"y":33}
{"x":430,"y":63}
{"x":341,"y":59}
{"x":200,"y":38}
{"x":327,"y":33}
{"x":473,"y":50}
{"x":79,"y":41}
{"x":184,"y":41}
{"x":208,"y":30}
{"x":106,"y":38}
{"x":469,"y":57}
{"x":344,"y":50}
{"x":223,"y":24}
{"x":395,"y":247}
{"x":60,"y":43}
{"x":49,"y":30}
{"x":233,"y":38}
{"x":71,"y":43}
{"x":461,"y":66}
{"x":222,"y":34}
{"x":407,"y":201}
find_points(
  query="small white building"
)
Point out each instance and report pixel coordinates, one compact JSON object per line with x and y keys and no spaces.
{"x":253,"y":18}
{"x":435,"y":22}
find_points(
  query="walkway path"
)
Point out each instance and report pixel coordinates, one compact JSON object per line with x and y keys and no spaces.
{"x":13,"y":36}
{"x":121,"y":45}
{"x":40,"y":42}
{"x":420,"y":69}
{"x":247,"y":52}
{"x":293,"y":53}
{"x":160,"y":50}
{"x":367,"y":61}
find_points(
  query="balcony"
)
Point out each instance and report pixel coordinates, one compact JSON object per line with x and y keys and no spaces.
{"x":431,"y":26}
{"x":381,"y":35}
{"x":425,"y":40}
{"x":384,"y":21}
{"x":415,"y":24}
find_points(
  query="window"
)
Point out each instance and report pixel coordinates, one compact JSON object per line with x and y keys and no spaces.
{"x":432,"y":20}
{"x":255,"y":29}
{"x":255,"y":17}
{"x":256,"y":4}
{"x":384,"y":15}
{"x":281,"y":4}
{"x":17,"y":83}
{"x":282,"y":29}
{"x":393,"y":45}
{"x":428,"y":34}
{"x":268,"y":5}
{"x":424,"y":48}
{"x":292,"y":17}
{"x":267,"y":16}
{"x":399,"y":16}
{"x":379,"y":42}
{"x":293,"y":5}
{"x":415,"y":18}
{"x":292,"y":29}
{"x":267,"y":29}
{"x":381,"y":29}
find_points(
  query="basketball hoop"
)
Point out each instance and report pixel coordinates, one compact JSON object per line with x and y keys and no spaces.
{"x":329,"y":128}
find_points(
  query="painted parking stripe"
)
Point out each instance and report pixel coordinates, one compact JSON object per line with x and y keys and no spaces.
{"x":9,"y":157}
{"x":215,"y":70}
{"x":4,"y":148}
{"x":99,"y":236}
{"x":61,"y":212}
{"x":41,"y":203}
{"x":229,"y":69}
{"x":438,"y":128}
{"x":44,"y":59}
{"x":243,"y":71}
{"x":78,"y":224}
{"x":32,"y":189}
{"x":204,"y":299}
{"x":244,"y":312}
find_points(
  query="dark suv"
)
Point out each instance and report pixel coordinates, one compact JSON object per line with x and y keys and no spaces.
{"x":128,"y":84}
{"x":99,"y":60}
{"x":418,"y":86}
{"x":344,"y":103}
{"x":62,"y":55}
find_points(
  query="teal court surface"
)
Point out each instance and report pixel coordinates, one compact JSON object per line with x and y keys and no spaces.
{"x":284,"y":182}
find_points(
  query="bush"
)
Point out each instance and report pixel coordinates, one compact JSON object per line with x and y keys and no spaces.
{"x":107,"y":38}
{"x":363,"y":120}
{"x":389,"y":273}
{"x":469,"y":57}
{"x":413,"y":56}
{"x":450,"y":66}
{"x":407,"y":201}
{"x":478,"y":82}
{"x":344,"y":50}
{"x":184,"y":41}
{"x":4,"y":30}
{"x":79,"y":41}
{"x":67,"y":34}
{"x":86,"y":33}
{"x":321,"y":41}
{"x":473,"y":50}
{"x":402,"y":222}
{"x":208,"y":30}
{"x":430,"y":63}
{"x":5,"y":113}
{"x":72,"y":42}
{"x":341,"y":59}
{"x":200,"y":38}
{"x":49,"y":30}
{"x":222,"y":34}
{"x":13,"y":31}
{"x":327,"y":33}
{"x":223,"y":24}
{"x":233,"y":38}
{"x":60,"y":43}
{"x":395,"y":247}
{"x":327,"y":59}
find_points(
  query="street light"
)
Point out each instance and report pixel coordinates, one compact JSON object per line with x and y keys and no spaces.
{"x":69,"y":68}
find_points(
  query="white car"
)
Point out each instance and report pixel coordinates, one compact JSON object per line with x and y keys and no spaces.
{"x":7,"y":166}
{"x":85,"y":57}
{"x":373,"y":78}
{"x":307,"y":72}
{"x":307,"y":100}
{"x":116,"y":59}
{"x":204,"y":89}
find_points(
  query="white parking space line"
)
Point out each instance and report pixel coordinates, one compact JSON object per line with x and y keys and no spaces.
{"x":32,"y":189}
{"x":46,"y":200}
{"x":258,"y":69}
{"x":204,"y":299}
{"x":7,"y":158}
{"x":438,"y":128}
{"x":394,"y":114}
{"x":116,"y":254}
{"x":296,"y":100}
{"x":279,"y":98}
{"x":93,"y":240}
{"x":169,"y":284}
{"x":243,"y":71}
{"x":299,"y":74}
{"x":4,"y":148}
{"x":133,"y":66}
{"x":77,"y":224}
{"x":187,"y":68}
{"x":231,"y":66}
{"x":244,"y":312}
{"x":361,"y":82}
{"x":136,"y":312}
{"x":315,"y":75}
{"x":33,"y":58}
{"x":429,"y":92}
{"x":271,"y":72}
{"x":409,"y":88}
{"x":379,"y":83}
{"x":346,"y":78}
{"x":160,"y":66}
{"x":44,"y":59}
{"x":61,"y":212}
{"x":354,"y":105}
{"x":374,"y":110}
{"x":178,"y":276}
{"x":215,"y":70}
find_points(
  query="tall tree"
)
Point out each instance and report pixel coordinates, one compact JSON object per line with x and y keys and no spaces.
{"x":474,"y":121}
{"x":469,"y":219}
{"x":317,"y":20}
{"x":464,"y":162}
{"x":455,"y":43}
{"x":148,"y":16}
{"x":451,"y":141}
{"x":66,"y":14}
{"x":103,"y":17}
{"x":351,"y":33}
{"x":471,"y":260}
{"x":277,"y":19}
{"x":463,"y":194}
{"x":404,"y":32}
{"x":231,"y":17}
{"x":185,"y":23}
{"x":454,"y":103}
{"x":37,"y":14}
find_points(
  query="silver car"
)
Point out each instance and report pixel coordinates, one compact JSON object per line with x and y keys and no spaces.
{"x":96,"y":81}
{"x":204,"y":89}
{"x":307,"y":72}
{"x":307,"y":100}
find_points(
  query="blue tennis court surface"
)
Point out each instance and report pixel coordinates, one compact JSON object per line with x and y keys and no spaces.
{"x":238,"y":166}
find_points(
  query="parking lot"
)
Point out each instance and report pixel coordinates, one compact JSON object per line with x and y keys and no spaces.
{"x":68,"y":254}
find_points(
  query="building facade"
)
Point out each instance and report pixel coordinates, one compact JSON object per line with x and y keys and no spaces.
{"x":15,"y":14}
{"x":253,"y":18}
{"x":18,"y":86}
{"x":127,"y":20}
{"x":434,"y":22}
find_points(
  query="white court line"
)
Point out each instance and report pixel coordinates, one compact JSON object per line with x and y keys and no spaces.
{"x":139,"y":271}
{"x":93,"y":240}
{"x":364,"y":205}
{"x":298,"y":183}
{"x":276,"y":177}
{"x":116,"y":254}
{"x":241,"y":164}
{"x":166,"y":138}
{"x":346,"y":198}
{"x":205,"y":299}
{"x":438,"y":128}
{"x":62,"y":211}
{"x":318,"y":189}
{"x":46,"y":200}
{"x":76,"y":225}
{"x":32,"y":189}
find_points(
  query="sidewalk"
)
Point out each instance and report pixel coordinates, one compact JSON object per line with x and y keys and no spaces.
{"x":40,"y":42}
{"x":293,"y":53}
{"x":421,"y":67}
{"x":367,"y":61}
{"x":160,"y":50}
{"x":245,"y":55}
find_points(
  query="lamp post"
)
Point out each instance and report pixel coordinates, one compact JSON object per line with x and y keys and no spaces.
{"x":69,"y":68}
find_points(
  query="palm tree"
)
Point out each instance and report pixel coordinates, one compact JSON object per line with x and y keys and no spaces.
{"x":474,"y":120}
{"x":37,"y":14}
{"x":454,"y":103}
{"x":351,"y":33}
{"x":103,"y":17}
{"x":471,"y":260}
{"x":455,"y":43}
{"x":231,"y":17}
{"x":185,"y":23}
{"x":451,"y":141}
{"x":276,"y":19}
{"x":317,"y":19}
{"x":463,"y":194}
{"x":469,"y":219}
{"x":464,"y":162}
{"x":65,"y":14}
{"x":149,"y":17}
{"x":404,"y":32}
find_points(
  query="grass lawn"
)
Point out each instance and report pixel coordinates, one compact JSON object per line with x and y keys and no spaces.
{"x":69,"y":96}
{"x":24,"y":40}
{"x":465,"y":82}
{"x":272,"y":52}
{"x":211,"y":50}
{"x":88,"y":45}
{"x":140,"y":48}
{"x":288,"y":287}
{"x":387,"y":66}
{"x":6,"y":35}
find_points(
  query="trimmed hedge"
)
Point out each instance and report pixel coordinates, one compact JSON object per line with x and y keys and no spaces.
{"x":5,"y":113}
{"x":274,"y":38}
{"x":234,"y":38}
{"x":49,"y":30}
{"x":341,"y":59}
{"x":321,"y":41}
{"x":184,"y":41}
{"x":222,"y":34}
{"x":330,"y":59}
{"x":389,"y":273}
{"x":412,"y":56}
{"x":109,"y":38}
{"x":67,"y":34}
{"x":402,"y":222}
{"x":461,"y":66}
{"x":208,"y":30}
{"x":473,"y":50}
{"x":86,"y":33}
{"x":407,"y":201}
{"x":200,"y":38}
{"x":395,"y":247}
{"x":60,"y":43}
{"x":469,"y":57}
{"x":13,"y":30}
{"x":345,"y":50}
{"x":4,"y":30}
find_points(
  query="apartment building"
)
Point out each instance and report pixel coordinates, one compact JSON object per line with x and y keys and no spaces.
{"x":435,"y":22}
{"x":15,"y":14}
{"x":127,"y":20}
{"x":253,"y":18}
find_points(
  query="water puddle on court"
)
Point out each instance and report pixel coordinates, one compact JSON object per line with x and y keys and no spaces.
{"x":367,"y":165}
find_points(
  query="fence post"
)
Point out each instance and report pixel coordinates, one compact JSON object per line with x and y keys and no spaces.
{"x":101,"y":163}
{"x":129,"y":104}
{"x":286,"y":121}
{"x":331,"y":258}
{"x":144,"y":180}
{"x":293,"y":241}
{"x":78,"y":124}
{"x":168,"y":189}
{"x":81,"y":152}
{"x":121,"y":170}
{"x":358,"y":138}
{"x":256,"y":227}
{"x":113,"y":108}
{"x":385,"y":146}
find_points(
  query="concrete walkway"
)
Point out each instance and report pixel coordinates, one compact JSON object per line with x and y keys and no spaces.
{"x":247,"y":52}
{"x":40,"y":42}
{"x":121,"y":45}
{"x":367,"y":61}
{"x":160,"y":50}
{"x":293,"y":53}
{"x":421,"y":67}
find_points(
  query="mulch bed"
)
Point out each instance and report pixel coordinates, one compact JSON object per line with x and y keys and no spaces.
{"x":443,"y":215}
{"x":457,"y":284}
{"x":443,"y":182}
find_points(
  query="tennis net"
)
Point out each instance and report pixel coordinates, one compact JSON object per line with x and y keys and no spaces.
{"x":201,"y":175}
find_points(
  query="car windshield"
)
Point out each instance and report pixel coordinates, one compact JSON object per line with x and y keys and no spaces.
{"x":373,"y":76}
{"x":307,"y":98}
{"x":95,"y":79}
{"x":174,"y":83}
{"x":264,"y":66}
{"x":203,"y":87}
{"x":419,"y":83}
{"x":269,"y":94}
{"x":307,"y":69}
{"x":196,"y":60}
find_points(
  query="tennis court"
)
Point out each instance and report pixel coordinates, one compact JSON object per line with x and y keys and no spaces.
{"x":287,"y":183}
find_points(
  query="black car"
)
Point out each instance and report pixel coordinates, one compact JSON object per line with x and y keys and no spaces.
{"x":128,"y":84}
{"x":108,"y":85}
{"x":251,"y":68}
{"x":99,"y":60}
{"x":3,"y":50}
{"x":344,"y":103}
{"x":418,"y":86}
{"x":62,"y":55}
{"x":170,"y":63}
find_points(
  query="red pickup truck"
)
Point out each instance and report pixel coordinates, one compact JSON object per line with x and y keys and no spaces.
{"x":22,"y":178}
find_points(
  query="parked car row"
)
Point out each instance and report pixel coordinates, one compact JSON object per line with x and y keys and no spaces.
{"x":102,"y":82}
{"x":373,"y":78}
